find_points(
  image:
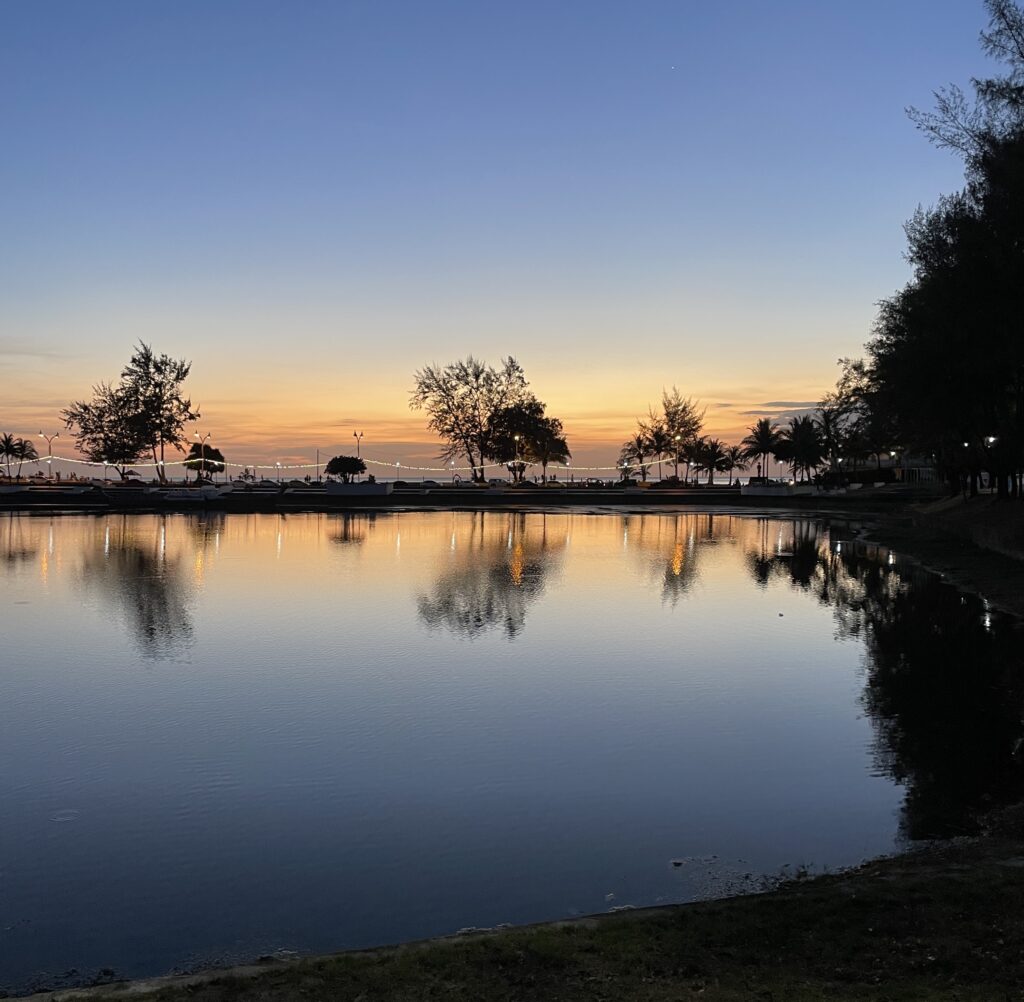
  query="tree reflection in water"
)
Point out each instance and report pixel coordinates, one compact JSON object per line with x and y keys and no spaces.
{"x":130,"y":564}
{"x":499,"y":568}
{"x":352,"y":527}
{"x":945,"y":679}
{"x":15,"y":545}
{"x":674,"y":545}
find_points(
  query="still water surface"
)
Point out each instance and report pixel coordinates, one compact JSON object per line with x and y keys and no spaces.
{"x":222,"y":737}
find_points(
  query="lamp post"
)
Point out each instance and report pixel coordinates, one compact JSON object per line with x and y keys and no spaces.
{"x":677,"y":439}
{"x":358,"y":436}
{"x":49,"y":452}
{"x":515,"y":464}
{"x":202,"y":440}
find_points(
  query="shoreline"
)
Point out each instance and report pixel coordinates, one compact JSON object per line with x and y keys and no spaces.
{"x":295,"y":500}
{"x":736,"y":947}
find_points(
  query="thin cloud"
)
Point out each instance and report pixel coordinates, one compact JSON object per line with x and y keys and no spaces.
{"x":24,"y":349}
{"x":791,"y":412}
{"x":790,"y":404}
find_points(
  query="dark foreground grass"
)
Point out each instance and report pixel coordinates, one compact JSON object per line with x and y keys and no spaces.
{"x":944,"y":923}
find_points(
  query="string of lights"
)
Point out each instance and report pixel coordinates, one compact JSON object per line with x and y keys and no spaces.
{"x":193,"y":462}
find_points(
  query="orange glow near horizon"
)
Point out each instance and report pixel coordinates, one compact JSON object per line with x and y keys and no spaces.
{"x":261,"y":418}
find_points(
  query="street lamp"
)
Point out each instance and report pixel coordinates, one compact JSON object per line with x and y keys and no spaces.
{"x":357,"y":435}
{"x":677,"y":439}
{"x":202,"y":440}
{"x":49,"y":452}
{"x":278,"y":465}
{"x":515,"y":464}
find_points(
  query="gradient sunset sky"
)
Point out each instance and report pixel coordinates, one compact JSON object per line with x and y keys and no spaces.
{"x":311,"y":200}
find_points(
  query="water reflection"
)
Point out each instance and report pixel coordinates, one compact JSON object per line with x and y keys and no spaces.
{"x":352,"y":528}
{"x":636,"y":700}
{"x":672,"y":546}
{"x":496,"y":570}
{"x":944,"y":676}
{"x":131,"y":566}
{"x":17,"y":545}
{"x":943,"y":684}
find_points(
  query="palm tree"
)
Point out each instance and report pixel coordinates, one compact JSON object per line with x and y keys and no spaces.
{"x":711,"y":456}
{"x":736,"y":460}
{"x":801,"y":445}
{"x":659,"y":441}
{"x":832,"y":432}
{"x":634,"y":451}
{"x":690,"y":452}
{"x":549,"y":446}
{"x":24,"y":451}
{"x":7,"y":450}
{"x":762,"y":442}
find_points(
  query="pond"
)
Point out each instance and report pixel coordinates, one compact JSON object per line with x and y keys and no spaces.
{"x":224,"y":737}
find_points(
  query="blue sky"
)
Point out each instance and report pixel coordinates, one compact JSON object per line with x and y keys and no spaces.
{"x":312,"y":200}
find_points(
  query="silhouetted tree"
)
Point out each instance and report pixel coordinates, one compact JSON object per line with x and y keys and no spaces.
{"x":711,"y":457}
{"x":659,"y":440}
{"x":8,"y":448}
{"x":762,"y":442}
{"x":106,"y":429}
{"x":144,"y":412}
{"x":461,"y":400}
{"x":204,"y":458}
{"x":947,"y":358}
{"x":633,"y":453}
{"x":682,"y":416}
{"x":735,"y":459}
{"x":550,"y":446}
{"x":24,"y":452}
{"x":345,"y":467}
{"x":153,"y":386}
{"x":801,"y":447}
{"x":522,"y":434}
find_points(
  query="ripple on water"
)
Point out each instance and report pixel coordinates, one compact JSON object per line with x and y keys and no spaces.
{"x":62,"y":817}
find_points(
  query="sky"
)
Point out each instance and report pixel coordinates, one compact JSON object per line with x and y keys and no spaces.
{"x":312,"y":200}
